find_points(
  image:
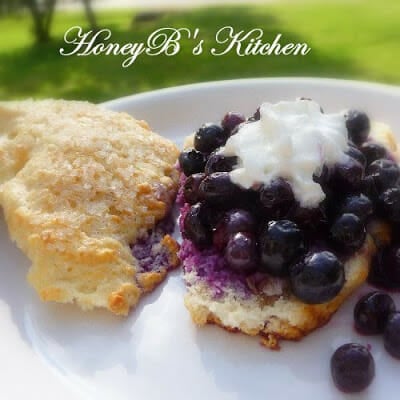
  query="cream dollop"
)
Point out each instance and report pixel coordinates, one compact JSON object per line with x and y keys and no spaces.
{"x":292,"y":140}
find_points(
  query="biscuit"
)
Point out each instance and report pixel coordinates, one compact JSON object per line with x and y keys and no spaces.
{"x":271,"y":311}
{"x":79,"y":186}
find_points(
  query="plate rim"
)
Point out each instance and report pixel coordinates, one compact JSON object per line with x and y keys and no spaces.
{"x":331,"y":82}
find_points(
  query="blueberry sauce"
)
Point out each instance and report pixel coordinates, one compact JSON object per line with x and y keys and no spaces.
{"x":210,"y":266}
{"x":148,"y":250}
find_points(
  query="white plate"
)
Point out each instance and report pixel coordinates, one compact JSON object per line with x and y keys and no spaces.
{"x":56,"y":351}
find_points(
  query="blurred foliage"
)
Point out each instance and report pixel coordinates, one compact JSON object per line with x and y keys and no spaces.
{"x":357,"y":40}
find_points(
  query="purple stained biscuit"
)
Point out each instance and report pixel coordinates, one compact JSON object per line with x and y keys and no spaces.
{"x":151,"y":255}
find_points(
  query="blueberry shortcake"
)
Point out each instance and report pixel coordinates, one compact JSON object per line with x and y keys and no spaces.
{"x":281,"y":214}
{"x":86,"y":192}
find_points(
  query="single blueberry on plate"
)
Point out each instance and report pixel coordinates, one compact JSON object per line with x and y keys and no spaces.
{"x":352,"y":368}
{"x":391,"y":335}
{"x":209,"y":137}
{"x":358,"y":126}
{"x":192,"y":161}
{"x":318,"y":278}
{"x":372,"y":311}
{"x":281,"y":242}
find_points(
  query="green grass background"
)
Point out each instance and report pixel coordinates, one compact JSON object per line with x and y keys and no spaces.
{"x":349,"y":39}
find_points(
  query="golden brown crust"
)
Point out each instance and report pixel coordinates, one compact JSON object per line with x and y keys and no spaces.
{"x":78,"y":184}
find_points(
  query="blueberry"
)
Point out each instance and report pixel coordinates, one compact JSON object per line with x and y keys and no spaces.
{"x":234,"y":221}
{"x":231,"y":120}
{"x":218,"y":188}
{"x":309,"y":218}
{"x":238,"y":127}
{"x":372,"y":311}
{"x":209,"y":137}
{"x":391,"y":335}
{"x":191,"y":161}
{"x":359,"y":205}
{"x":385,"y":173}
{"x":191,"y":188}
{"x":277,"y":198}
{"x":385,"y":268}
{"x":391,"y":264}
{"x":318,"y":278}
{"x":249,"y":200}
{"x":369,"y":188}
{"x":219,"y":163}
{"x":358,"y":126}
{"x":281,"y":242}
{"x":352,"y":368}
{"x":373,"y":151}
{"x":241,"y":252}
{"x":220,"y":235}
{"x":239,"y":220}
{"x":323,"y":178}
{"x":353,"y":152}
{"x":389,"y":204}
{"x":347,"y":176}
{"x":348,"y":231}
{"x":212,"y":214}
{"x":194,"y":227}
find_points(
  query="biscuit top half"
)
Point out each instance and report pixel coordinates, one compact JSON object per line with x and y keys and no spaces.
{"x":78,"y":184}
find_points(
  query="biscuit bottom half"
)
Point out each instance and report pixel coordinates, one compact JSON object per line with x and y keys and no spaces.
{"x":262,"y":305}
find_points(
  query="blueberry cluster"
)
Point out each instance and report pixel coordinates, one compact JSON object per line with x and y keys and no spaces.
{"x":265,"y":229}
{"x":352,"y":365}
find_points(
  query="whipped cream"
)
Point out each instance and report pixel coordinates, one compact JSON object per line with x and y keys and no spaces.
{"x":292,"y":140}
